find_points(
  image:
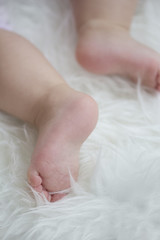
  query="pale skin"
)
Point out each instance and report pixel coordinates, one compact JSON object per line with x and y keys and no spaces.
{"x":105,"y":45}
{"x":32,"y":90}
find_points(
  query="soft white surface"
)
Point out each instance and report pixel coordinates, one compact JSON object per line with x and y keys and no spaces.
{"x":118,"y":195}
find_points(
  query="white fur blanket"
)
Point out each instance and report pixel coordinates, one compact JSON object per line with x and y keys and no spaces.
{"x":117,"y":196}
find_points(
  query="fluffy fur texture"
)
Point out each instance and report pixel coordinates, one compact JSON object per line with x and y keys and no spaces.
{"x":117,"y":196}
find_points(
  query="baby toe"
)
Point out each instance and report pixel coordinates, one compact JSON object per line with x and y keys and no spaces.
{"x":34,"y":179}
{"x":46,"y":194}
{"x":57,"y":196}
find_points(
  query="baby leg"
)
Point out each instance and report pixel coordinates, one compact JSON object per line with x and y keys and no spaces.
{"x":105,"y":45}
{"x":33,"y":91}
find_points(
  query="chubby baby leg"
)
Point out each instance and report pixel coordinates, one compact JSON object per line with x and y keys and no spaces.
{"x":33,"y":91}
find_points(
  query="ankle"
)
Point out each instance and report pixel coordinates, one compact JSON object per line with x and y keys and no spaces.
{"x":49,"y":104}
{"x":59,"y":100}
{"x":93,"y":36}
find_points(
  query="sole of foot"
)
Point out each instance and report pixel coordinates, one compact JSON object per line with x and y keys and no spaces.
{"x":66,"y":120}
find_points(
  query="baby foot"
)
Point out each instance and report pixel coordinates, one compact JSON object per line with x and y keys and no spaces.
{"x":107,"y":49}
{"x":64,"y":123}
